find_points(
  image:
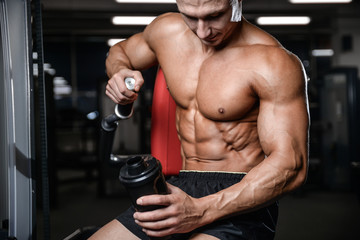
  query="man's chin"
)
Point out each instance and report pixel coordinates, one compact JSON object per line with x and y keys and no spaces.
{"x":210,"y":43}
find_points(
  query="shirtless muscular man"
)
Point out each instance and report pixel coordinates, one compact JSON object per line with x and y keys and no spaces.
{"x":242,"y":120}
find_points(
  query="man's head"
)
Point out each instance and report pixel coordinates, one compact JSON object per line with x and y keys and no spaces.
{"x":211,"y":20}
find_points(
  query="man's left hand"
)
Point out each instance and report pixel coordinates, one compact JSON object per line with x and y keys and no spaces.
{"x":181,"y":213}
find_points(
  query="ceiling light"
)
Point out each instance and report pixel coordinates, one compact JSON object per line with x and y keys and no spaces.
{"x":112,"y":41}
{"x":319,"y":1}
{"x":322,"y":52}
{"x":132,"y":20}
{"x":283,"y":20}
{"x":146,"y":1}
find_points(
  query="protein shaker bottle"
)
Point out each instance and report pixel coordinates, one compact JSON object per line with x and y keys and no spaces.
{"x":142,"y":175}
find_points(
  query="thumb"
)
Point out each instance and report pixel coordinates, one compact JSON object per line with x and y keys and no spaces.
{"x":137,"y":88}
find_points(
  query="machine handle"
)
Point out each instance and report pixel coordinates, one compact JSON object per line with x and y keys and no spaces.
{"x":121,"y":112}
{"x":109,"y":123}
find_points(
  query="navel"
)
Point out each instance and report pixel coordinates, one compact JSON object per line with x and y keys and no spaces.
{"x":221,"y":110}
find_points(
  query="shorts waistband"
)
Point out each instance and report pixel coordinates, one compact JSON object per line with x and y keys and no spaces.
{"x":211,"y":175}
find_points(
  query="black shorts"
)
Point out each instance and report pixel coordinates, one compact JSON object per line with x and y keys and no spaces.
{"x":259,"y":224}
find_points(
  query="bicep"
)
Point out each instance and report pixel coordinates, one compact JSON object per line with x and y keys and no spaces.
{"x":283,"y":120}
{"x":283,"y":127}
{"x":283,"y":135}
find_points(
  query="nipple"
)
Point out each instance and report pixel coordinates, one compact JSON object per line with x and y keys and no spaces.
{"x":221,"y":110}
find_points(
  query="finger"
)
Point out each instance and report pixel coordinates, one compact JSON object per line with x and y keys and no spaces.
{"x":139,"y":80}
{"x":116,"y":83}
{"x":112,"y":97}
{"x":126,"y":100}
{"x":129,"y":94}
{"x":158,"y":233}
{"x":157,"y":199}
{"x":155,"y":215}
{"x":111,"y":93}
{"x":158,"y":225}
{"x":121,"y":96}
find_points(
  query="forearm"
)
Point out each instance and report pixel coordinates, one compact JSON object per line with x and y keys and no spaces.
{"x":134,"y":53}
{"x":116,"y":60}
{"x":260,"y":187}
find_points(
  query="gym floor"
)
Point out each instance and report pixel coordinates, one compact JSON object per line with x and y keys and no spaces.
{"x":309,"y":214}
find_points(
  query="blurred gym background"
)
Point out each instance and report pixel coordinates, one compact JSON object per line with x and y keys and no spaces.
{"x":84,"y":192}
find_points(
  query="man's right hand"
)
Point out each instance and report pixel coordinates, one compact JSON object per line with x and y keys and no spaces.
{"x":116,"y":89}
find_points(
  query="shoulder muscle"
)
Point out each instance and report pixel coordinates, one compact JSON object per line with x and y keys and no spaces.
{"x":163,"y":29}
{"x":282,"y":75}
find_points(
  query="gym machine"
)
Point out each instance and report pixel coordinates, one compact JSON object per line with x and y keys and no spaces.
{"x":17,"y":136}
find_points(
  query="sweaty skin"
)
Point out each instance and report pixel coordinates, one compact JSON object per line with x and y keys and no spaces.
{"x":241,"y":107}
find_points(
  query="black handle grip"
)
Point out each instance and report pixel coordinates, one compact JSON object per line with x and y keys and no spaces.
{"x":124,"y":111}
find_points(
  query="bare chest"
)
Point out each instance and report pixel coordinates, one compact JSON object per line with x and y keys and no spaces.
{"x":219,"y":89}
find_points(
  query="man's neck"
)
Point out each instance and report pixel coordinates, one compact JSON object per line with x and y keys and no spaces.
{"x":232,"y":38}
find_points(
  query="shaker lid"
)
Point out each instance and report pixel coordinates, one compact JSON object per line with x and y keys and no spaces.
{"x":138,"y":169}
